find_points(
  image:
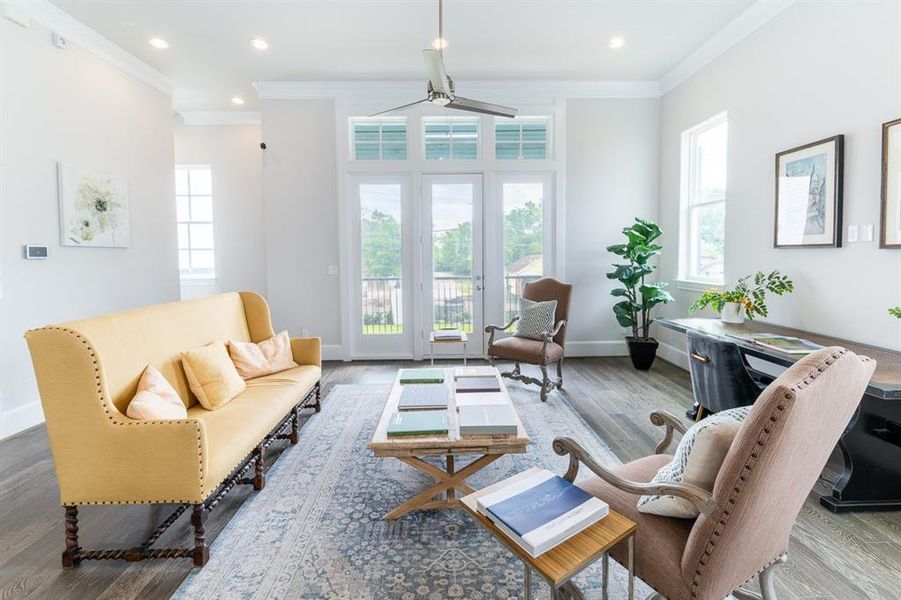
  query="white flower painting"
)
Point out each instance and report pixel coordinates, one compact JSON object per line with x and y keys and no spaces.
{"x":93,"y":208}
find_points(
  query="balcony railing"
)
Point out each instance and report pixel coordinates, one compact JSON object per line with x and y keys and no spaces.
{"x":451,"y":302}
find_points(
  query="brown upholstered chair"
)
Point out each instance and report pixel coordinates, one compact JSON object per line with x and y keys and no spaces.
{"x":745,"y":523}
{"x":534,"y":352}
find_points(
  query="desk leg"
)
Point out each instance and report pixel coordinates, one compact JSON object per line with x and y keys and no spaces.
{"x":632,"y":567}
{"x":526,"y":581}
{"x":605,"y":575}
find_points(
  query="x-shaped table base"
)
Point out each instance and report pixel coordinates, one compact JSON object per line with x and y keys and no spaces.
{"x":449,"y":482}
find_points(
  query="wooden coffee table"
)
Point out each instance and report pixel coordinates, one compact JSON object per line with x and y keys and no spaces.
{"x":451,"y":478}
{"x":564,"y":561}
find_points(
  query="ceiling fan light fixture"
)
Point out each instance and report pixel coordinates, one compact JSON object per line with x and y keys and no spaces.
{"x":441,"y":100}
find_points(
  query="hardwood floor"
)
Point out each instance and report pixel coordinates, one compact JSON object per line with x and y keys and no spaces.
{"x":841,"y":557}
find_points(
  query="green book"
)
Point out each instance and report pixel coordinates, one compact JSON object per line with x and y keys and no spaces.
{"x":421,"y":376}
{"x":418,"y":422}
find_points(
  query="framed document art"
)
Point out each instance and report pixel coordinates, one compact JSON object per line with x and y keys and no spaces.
{"x":809,"y":195}
{"x":890,"y":237}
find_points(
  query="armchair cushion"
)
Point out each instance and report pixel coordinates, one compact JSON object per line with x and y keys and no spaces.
{"x":536,"y":319}
{"x":524,"y":350}
{"x":659,"y":541}
{"x":697,"y":461}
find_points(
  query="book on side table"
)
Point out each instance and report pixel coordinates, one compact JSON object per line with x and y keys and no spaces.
{"x":538,"y":510}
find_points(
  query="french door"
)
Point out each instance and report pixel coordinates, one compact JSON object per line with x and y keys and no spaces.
{"x":451,"y":273}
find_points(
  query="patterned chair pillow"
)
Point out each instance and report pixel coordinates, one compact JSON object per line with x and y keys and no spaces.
{"x":535,"y":318}
{"x":697,"y":460}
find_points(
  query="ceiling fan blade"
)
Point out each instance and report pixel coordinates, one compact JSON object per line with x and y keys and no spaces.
{"x":478,"y":106}
{"x":434,"y":64}
{"x":399,"y":107}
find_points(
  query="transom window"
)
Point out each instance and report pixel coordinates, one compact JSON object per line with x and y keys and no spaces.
{"x":454,"y":138}
{"x":703,"y":201}
{"x":521,"y":138}
{"x":194,"y":213}
{"x":379,"y":139}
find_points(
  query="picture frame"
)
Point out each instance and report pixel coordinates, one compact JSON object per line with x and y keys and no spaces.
{"x":890,"y":228}
{"x":809,"y":182}
{"x":93,"y":208}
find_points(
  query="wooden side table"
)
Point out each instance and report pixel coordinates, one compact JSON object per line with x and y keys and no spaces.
{"x":564,"y":561}
{"x":432,"y":341}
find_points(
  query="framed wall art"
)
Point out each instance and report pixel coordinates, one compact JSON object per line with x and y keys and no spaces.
{"x":809,"y":195}
{"x":890,"y":235}
{"x":93,"y":208}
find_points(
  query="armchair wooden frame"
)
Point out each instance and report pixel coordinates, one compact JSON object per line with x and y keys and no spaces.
{"x":546,"y":383}
{"x":699,"y":497}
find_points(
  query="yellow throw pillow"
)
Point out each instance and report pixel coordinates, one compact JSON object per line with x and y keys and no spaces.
{"x":156,"y":399}
{"x":212,"y":375}
{"x":269,"y":356}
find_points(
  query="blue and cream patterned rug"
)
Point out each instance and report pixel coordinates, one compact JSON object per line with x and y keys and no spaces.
{"x":316,"y":530}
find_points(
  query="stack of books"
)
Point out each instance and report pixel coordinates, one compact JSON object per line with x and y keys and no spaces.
{"x":447,"y":335}
{"x":408,"y":376}
{"x":430,"y":396}
{"x":784,"y":343}
{"x":538,"y":510}
{"x":417,"y":422}
{"x":487,"y":419}
{"x":464,"y":372}
{"x":471,"y":385}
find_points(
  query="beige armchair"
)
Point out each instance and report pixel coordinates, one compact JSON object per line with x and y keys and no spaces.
{"x":745,"y":522}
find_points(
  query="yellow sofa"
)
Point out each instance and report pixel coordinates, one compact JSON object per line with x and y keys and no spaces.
{"x":88,"y":371}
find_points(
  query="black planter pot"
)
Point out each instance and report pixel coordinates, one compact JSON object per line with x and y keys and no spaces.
{"x":642,"y":352}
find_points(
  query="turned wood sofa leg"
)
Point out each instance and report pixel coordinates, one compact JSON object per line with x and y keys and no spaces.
{"x":295,"y":421}
{"x":70,"y":555}
{"x":259,"y":478}
{"x":318,"y":397}
{"x":201,"y":551}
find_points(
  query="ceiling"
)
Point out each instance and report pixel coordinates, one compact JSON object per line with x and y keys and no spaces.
{"x":211,"y":60}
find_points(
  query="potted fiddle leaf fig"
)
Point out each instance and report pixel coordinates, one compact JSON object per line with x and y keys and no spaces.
{"x":895,"y":312}
{"x":746,"y":299}
{"x":638,"y":297}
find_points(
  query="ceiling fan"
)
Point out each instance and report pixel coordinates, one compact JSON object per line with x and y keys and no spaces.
{"x":440,"y":88}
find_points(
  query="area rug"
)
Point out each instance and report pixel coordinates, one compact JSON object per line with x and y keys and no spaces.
{"x":316,"y":530}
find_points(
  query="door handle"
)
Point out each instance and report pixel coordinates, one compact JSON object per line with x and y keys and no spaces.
{"x":478,"y":288}
{"x":700,"y":358}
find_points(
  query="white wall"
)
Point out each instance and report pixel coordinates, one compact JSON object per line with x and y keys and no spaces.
{"x":611,"y":178}
{"x":234,"y":155}
{"x":69,"y":105}
{"x":301,"y":217}
{"x":816,"y":70}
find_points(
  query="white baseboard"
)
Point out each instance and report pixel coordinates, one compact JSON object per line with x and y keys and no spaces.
{"x":20,"y":418}
{"x":597,"y":348}
{"x":677,"y":356}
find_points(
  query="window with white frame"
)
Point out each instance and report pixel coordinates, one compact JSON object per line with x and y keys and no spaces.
{"x":703,"y":201}
{"x":522,"y":138}
{"x":194,"y":213}
{"x":446,"y":138}
{"x":378,"y":139}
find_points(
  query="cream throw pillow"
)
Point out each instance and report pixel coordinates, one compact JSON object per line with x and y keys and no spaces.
{"x":697,"y":460}
{"x":212,"y":375}
{"x":156,"y":399}
{"x":269,"y":356}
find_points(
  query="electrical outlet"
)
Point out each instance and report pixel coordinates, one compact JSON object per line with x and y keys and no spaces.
{"x":332,"y":270}
{"x":867,"y":233}
{"x":853,"y":231}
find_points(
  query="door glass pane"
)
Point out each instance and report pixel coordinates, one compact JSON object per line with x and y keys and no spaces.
{"x":452,"y":258}
{"x":381,"y":258}
{"x":523,"y":240}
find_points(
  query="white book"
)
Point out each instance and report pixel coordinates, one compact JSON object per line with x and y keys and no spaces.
{"x":480,"y":399}
{"x":481,"y":371}
{"x":487,"y":419}
{"x":539,"y":510}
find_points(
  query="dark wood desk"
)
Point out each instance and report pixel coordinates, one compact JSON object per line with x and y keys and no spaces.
{"x":871,"y":444}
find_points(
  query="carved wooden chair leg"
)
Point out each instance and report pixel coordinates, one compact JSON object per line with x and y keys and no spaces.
{"x":259,"y":476}
{"x":70,"y":555}
{"x":767,"y":583}
{"x":201,"y":551}
{"x":545,"y":382}
{"x":560,"y":374}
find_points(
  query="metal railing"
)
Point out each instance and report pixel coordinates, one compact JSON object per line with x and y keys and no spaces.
{"x":452,"y":304}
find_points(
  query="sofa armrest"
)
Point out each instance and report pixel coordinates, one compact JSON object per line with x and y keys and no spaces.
{"x":307,"y":351}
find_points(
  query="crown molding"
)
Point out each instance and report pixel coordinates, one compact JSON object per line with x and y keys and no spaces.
{"x":59,"y":21}
{"x":220,"y":117}
{"x":734,"y":32}
{"x":522,"y":90}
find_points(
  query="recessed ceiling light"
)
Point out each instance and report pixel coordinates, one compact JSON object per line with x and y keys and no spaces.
{"x":617,"y":43}
{"x":160,"y":43}
{"x":439,"y":43}
{"x":259,"y":43}
{"x":238,"y":100}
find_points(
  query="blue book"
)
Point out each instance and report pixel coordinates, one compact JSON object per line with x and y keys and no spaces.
{"x":538,"y":509}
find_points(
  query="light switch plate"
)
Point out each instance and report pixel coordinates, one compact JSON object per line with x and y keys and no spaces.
{"x":867,"y":233}
{"x":332,"y":270}
{"x":853,"y":231}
